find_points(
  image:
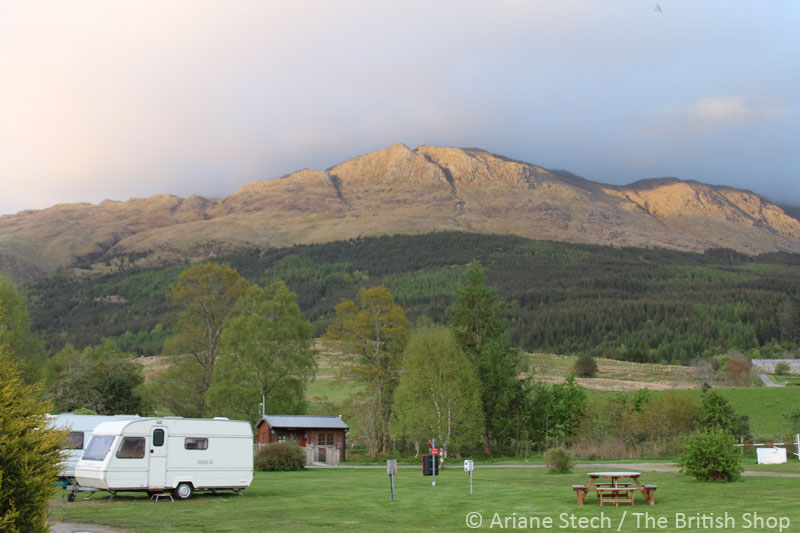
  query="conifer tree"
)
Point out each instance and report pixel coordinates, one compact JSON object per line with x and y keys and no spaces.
{"x":481,"y":332}
{"x":29,"y":453}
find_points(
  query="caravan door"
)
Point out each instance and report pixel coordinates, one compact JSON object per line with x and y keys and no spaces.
{"x":158,"y":458}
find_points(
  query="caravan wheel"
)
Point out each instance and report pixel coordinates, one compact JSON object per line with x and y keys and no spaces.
{"x":183,"y":491}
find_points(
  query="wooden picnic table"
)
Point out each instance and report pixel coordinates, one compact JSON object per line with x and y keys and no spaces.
{"x":615,"y":492}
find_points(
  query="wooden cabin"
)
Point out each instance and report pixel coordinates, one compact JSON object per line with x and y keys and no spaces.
{"x":316,"y":433}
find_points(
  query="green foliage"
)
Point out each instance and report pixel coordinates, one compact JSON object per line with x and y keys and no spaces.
{"x":371,"y":335}
{"x":144,"y":342}
{"x":638,"y":423}
{"x":87,"y":309}
{"x":559,"y":460}
{"x":438,"y":392}
{"x":717,"y":413}
{"x":555,"y":411}
{"x":627,"y":303}
{"x":203,"y":298}
{"x":781,"y":369}
{"x":280,"y":457}
{"x":481,"y":332}
{"x":711,"y":455}
{"x":298,"y":269}
{"x":16,"y":334}
{"x":266,"y":351}
{"x":102,"y":379}
{"x":792,"y":417}
{"x":30,"y":453}
{"x":585,"y":366}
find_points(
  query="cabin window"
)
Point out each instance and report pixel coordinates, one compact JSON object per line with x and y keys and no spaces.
{"x":131,"y":448}
{"x":98,"y":448}
{"x":158,"y":437}
{"x":281,"y":438}
{"x":193,"y":443}
{"x":74,"y":440}
{"x":325,"y":439}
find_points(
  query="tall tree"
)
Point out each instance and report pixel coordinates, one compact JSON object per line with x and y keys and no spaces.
{"x":266,"y":351}
{"x":371,"y":335}
{"x":438,"y":395}
{"x":203,"y":298}
{"x":31,"y":451}
{"x":16,"y":334}
{"x":481,"y":332}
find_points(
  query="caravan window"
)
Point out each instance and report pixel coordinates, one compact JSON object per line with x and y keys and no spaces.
{"x":131,"y":448}
{"x":74,"y":440}
{"x":98,"y":448}
{"x":193,"y":443}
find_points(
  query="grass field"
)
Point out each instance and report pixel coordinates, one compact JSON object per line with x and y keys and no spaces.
{"x":764,"y":405}
{"x":359,"y":500}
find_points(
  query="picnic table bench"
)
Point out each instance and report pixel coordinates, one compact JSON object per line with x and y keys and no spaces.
{"x":615,"y":492}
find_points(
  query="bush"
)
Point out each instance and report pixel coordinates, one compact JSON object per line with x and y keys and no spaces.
{"x":711,"y":456}
{"x":781,"y":369}
{"x":558,"y":460}
{"x":281,"y":456}
{"x":586,"y":367}
{"x":31,"y":451}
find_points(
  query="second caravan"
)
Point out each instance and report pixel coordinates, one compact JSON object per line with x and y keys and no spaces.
{"x":168,"y":453}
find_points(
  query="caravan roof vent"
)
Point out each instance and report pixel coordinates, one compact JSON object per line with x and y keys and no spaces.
{"x":221,"y":418}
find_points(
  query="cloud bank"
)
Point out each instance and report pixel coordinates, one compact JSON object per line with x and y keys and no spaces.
{"x":121,"y":99}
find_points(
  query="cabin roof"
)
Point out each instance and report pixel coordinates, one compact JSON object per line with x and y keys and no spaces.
{"x":304,"y":421}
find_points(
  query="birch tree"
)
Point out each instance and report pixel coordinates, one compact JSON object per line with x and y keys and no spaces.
{"x":439,"y":393}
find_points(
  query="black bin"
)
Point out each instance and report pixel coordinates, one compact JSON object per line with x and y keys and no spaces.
{"x":430,"y":465}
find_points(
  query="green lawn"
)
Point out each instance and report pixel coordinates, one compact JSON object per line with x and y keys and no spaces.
{"x":359,"y":500}
{"x":786,"y":380}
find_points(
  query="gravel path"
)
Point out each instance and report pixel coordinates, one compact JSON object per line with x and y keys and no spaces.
{"x":69,"y":527}
{"x":768,"y":382}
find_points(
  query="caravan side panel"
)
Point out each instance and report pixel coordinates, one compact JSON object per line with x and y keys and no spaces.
{"x":214,"y":454}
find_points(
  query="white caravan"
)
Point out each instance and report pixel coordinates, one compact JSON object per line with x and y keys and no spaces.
{"x":168,"y":453}
{"x":79,"y":428}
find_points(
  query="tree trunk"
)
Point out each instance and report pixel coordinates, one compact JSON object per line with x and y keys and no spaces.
{"x":486,"y":446}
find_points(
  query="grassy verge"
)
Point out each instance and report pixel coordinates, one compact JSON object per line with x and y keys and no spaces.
{"x":359,"y":500}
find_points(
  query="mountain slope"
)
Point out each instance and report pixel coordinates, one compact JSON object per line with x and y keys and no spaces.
{"x":399,"y":190}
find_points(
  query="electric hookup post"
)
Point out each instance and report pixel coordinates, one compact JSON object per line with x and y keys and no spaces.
{"x":434,"y":459}
{"x":430,"y":462}
{"x":391,"y":469}
{"x":469,"y":466}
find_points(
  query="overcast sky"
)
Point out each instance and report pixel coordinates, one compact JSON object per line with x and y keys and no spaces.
{"x":118,"y":99}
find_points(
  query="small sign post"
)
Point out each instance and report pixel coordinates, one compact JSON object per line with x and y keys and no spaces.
{"x":391,"y":469}
{"x":469,"y":466}
{"x":434,"y":459}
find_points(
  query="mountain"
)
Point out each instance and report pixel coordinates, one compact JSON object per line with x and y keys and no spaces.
{"x":399,"y":190}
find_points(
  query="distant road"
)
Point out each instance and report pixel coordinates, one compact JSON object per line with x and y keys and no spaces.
{"x":768,"y":382}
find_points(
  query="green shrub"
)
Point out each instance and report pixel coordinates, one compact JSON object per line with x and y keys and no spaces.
{"x":558,"y":460}
{"x":585,"y":367}
{"x":281,"y":456}
{"x":781,"y":369}
{"x":29,"y":453}
{"x":711,"y":456}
